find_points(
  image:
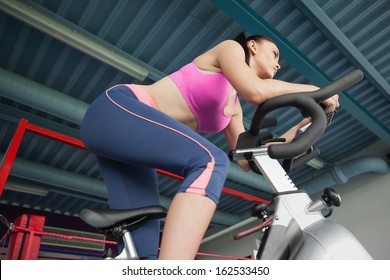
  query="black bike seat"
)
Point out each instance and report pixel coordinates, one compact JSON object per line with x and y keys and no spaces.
{"x":104,"y":218}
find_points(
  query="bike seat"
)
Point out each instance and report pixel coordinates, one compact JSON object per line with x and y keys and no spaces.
{"x":107,"y":218}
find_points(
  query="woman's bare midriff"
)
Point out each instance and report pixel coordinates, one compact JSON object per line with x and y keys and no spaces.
{"x":170,"y":101}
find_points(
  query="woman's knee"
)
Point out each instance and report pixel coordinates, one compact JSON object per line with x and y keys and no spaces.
{"x":205,"y":171}
{"x":221,"y":160}
{"x":218,"y":176}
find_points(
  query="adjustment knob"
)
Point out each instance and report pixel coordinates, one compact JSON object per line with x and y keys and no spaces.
{"x":331,"y":197}
{"x":259,"y":210}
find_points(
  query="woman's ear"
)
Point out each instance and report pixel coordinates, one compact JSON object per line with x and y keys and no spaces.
{"x":252,"y":47}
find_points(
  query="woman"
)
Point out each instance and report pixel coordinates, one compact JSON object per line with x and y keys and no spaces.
{"x":134,"y":129}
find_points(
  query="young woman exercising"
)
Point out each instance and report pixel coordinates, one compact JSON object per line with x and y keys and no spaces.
{"x":135,"y":129}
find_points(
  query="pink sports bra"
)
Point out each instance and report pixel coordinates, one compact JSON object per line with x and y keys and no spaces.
{"x":206,"y":94}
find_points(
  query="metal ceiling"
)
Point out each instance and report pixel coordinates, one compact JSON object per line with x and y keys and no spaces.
{"x":57,"y":56}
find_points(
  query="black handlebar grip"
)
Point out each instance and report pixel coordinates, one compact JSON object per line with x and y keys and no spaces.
{"x":307,"y":102}
{"x":311,"y":135}
{"x":337,"y":86}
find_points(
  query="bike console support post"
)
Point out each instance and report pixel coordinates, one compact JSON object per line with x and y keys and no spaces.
{"x":284,"y":237}
{"x":273,"y":172}
{"x":287,"y":196}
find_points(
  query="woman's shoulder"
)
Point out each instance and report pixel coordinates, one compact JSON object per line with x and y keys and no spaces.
{"x":228,"y":48}
{"x":224,"y":48}
{"x":229,"y":44}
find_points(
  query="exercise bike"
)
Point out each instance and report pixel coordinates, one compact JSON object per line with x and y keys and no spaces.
{"x":296,"y":227}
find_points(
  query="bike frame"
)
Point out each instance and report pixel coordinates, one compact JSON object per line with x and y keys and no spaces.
{"x":299,"y":230}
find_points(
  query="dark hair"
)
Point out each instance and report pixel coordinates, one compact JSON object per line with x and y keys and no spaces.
{"x":243,"y":40}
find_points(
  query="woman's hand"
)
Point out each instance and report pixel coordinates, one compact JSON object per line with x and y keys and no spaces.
{"x":331,"y":104}
{"x":292,"y":132}
{"x":243,"y":163}
{"x":288,"y":135}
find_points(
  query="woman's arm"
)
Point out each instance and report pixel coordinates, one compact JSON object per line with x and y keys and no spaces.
{"x":236,"y":127}
{"x":233,"y":130}
{"x":231,"y":59}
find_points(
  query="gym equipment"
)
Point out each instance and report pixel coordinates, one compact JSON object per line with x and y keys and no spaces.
{"x":296,"y":227}
{"x":120,"y":223}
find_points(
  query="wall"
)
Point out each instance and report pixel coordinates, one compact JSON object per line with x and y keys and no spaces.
{"x":365,"y":211}
{"x":365,"y":207}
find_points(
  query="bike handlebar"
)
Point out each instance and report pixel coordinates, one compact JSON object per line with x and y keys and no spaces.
{"x":307,"y":102}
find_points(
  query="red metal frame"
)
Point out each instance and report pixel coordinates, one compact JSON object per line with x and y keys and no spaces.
{"x":24,"y":126}
{"x":25,"y":241}
{"x":11,"y":152}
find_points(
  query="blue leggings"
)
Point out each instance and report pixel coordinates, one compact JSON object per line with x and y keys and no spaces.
{"x":131,"y":140}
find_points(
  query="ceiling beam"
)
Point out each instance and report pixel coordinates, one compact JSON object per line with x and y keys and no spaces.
{"x":72,"y":35}
{"x":79,"y":39}
{"x":255,"y":24}
{"x":321,"y":20}
{"x":13,"y":116}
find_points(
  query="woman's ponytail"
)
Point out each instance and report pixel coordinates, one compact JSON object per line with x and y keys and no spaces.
{"x":241,"y":39}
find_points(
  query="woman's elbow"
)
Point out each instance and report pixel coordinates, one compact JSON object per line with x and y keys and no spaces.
{"x":255,"y":97}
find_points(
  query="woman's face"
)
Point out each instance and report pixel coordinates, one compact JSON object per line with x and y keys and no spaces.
{"x":264,"y":59}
